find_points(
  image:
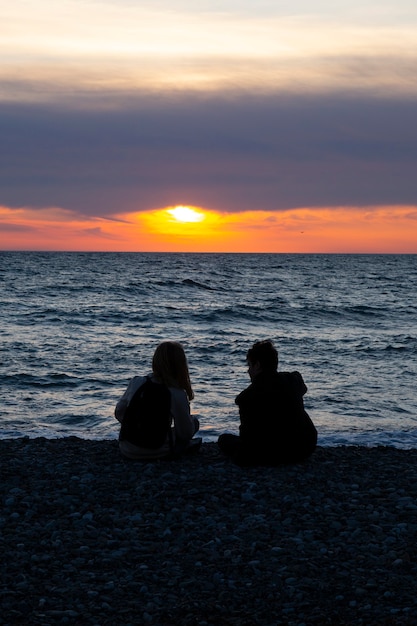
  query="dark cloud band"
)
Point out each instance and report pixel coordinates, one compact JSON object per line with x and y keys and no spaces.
{"x":240,"y":152}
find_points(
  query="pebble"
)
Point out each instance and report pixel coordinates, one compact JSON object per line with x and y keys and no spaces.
{"x":89,"y":537}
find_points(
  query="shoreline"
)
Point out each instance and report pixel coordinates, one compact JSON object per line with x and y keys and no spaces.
{"x":89,"y":537}
{"x":324,"y":441}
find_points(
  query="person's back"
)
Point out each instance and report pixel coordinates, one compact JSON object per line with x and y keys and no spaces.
{"x":147,"y":418}
{"x":274,"y":426}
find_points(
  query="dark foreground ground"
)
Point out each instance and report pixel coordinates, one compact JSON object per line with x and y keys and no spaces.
{"x":90,"y":538}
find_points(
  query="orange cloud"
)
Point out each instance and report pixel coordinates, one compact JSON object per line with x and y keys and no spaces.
{"x":372,"y":230}
{"x":52,"y":229}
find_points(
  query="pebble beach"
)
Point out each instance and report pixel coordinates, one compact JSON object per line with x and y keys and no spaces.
{"x":88,"y":537}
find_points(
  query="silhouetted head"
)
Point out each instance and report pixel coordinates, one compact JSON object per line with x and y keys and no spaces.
{"x":262,"y":357}
{"x":169,"y":364}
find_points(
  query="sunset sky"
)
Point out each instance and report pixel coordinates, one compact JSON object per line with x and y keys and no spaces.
{"x":273,"y":126}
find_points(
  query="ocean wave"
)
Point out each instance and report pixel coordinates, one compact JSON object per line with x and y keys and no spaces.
{"x":32,"y":380}
{"x":194,"y":283}
{"x":237,"y":314}
{"x":364,"y":310}
{"x":394,"y":344}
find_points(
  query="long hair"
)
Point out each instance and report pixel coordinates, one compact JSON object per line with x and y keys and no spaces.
{"x":169,"y":364}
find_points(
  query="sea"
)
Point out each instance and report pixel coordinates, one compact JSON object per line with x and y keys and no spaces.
{"x":75,"y":327}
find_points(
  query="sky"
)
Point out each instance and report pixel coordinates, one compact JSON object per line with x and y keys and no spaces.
{"x":277,"y":126}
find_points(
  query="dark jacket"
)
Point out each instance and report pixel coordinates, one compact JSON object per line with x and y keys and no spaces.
{"x":275,"y":428}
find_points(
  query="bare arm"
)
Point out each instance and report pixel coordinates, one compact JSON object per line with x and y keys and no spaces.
{"x":180,"y":410}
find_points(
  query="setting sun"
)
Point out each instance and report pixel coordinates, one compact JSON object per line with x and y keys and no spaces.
{"x":303,"y":230}
{"x":186,"y":214}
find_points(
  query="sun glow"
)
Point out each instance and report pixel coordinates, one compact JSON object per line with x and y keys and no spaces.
{"x":385,"y":229}
{"x":186,"y":214}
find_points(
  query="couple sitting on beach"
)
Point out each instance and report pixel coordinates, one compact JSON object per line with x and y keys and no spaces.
{"x":274,"y":427}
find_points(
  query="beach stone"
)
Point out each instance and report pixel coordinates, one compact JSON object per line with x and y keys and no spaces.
{"x":89,"y":537}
